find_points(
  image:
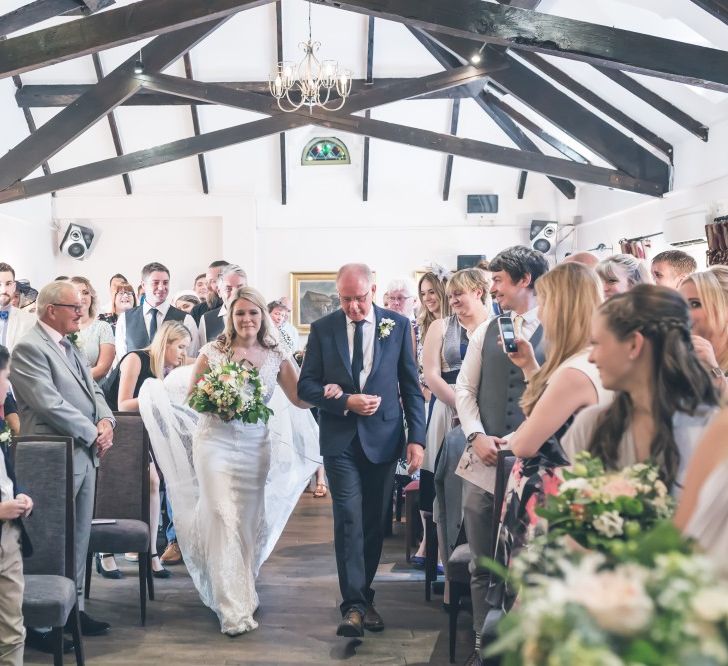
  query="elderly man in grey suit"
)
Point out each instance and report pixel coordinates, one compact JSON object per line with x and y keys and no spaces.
{"x":57,"y":396}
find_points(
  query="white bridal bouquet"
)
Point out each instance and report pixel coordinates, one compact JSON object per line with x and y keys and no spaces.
{"x":233,"y":392}
{"x":672,"y":612}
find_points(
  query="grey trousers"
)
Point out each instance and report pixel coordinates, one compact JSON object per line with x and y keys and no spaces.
{"x":12,"y":631}
{"x":478,"y":522}
{"x":84,"y":487}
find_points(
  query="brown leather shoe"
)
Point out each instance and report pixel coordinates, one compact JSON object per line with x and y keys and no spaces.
{"x":172,"y":554}
{"x":352,"y":626}
{"x":372,"y":620}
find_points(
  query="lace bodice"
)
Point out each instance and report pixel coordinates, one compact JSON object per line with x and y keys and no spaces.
{"x":268,"y":370}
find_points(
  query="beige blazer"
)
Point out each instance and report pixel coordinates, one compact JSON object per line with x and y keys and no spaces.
{"x":19,"y":323}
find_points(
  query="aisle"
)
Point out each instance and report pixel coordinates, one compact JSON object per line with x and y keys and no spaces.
{"x":298,"y":592}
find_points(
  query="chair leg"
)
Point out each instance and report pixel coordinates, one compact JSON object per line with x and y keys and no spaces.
{"x":143,"y":564}
{"x":57,"y":636}
{"x":76,"y":633}
{"x":150,"y":579}
{"x":87,"y":586}
{"x":453,"y":614}
{"x":430,"y":555}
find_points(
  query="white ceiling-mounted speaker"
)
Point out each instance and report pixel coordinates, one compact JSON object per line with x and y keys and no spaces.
{"x":686,"y":228}
{"x":77,"y":241}
{"x":543,"y":236}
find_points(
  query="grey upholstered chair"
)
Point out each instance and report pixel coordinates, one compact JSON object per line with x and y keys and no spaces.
{"x":122,"y":495}
{"x":44,"y":467}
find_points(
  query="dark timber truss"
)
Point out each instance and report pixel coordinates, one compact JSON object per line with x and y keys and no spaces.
{"x":509,"y":38}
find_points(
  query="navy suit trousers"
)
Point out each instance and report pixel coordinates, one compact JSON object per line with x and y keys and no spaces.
{"x":361,"y":492}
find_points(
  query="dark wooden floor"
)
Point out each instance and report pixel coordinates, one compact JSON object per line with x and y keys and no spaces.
{"x":299,"y":611}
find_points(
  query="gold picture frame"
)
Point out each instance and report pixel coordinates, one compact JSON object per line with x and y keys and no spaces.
{"x":313,"y":295}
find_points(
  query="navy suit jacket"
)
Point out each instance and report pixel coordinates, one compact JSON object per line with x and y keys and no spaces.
{"x":393,"y":377}
{"x":25,"y":541}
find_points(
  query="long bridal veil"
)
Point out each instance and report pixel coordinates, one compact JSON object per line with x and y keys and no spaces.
{"x":171,"y":425}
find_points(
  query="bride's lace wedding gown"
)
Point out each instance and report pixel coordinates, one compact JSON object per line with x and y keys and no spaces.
{"x":232,"y":485}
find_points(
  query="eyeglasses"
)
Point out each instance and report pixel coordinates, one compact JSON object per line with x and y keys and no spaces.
{"x":398,"y":299}
{"x":78,"y":309}
{"x":351,"y":299}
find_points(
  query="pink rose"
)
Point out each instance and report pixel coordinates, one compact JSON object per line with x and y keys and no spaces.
{"x":619,"y":487}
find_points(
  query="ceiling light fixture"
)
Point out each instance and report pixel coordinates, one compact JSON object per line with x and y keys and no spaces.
{"x":312,"y":82}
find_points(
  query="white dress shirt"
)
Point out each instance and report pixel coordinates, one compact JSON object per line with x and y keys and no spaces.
{"x":368,"y":330}
{"x":468,"y":381}
{"x":162,"y":308}
{"x":202,"y":333}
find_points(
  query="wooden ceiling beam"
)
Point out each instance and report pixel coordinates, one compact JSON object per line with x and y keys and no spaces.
{"x":95,"y":103}
{"x":282,"y":135}
{"x":196,"y":127}
{"x":368,"y":81}
{"x":657,"y":102}
{"x":601,"y":105}
{"x":105,"y":30}
{"x":36,"y":96}
{"x":523,"y":29}
{"x":42,"y":10}
{"x":718,"y":8}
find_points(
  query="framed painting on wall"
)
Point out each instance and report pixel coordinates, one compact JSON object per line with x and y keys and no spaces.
{"x":313,"y":296}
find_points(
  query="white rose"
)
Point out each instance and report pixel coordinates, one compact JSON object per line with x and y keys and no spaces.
{"x":711,"y":604}
{"x":579,"y":484}
{"x":609,"y":523}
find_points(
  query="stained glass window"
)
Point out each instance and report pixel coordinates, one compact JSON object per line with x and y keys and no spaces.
{"x":327,"y":150}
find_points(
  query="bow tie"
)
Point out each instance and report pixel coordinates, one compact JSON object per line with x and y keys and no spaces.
{"x":4,"y":314}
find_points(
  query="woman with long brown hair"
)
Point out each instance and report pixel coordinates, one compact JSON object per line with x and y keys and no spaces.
{"x":664,"y":398}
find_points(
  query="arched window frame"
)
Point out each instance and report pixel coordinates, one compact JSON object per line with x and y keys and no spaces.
{"x":325,"y":139}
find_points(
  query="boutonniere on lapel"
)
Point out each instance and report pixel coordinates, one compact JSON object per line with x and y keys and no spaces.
{"x":385,"y":327}
{"x":6,"y":435}
{"x":73,"y":339}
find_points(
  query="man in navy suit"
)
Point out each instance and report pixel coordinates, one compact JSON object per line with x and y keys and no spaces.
{"x":367,"y":351}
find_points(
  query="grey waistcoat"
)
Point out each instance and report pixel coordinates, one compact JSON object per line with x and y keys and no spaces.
{"x":214,"y":324}
{"x":501,"y":384}
{"x":137,"y":336}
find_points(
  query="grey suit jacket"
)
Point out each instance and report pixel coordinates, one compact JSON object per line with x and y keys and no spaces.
{"x":53,"y":399}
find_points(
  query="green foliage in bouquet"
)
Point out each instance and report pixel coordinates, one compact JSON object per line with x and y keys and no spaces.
{"x":605,"y":511}
{"x":233,"y":392}
{"x":667,"y":607}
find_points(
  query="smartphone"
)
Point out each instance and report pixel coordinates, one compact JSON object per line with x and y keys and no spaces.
{"x":507,"y":333}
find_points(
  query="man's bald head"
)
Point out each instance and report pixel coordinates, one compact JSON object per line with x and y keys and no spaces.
{"x":586,"y":258}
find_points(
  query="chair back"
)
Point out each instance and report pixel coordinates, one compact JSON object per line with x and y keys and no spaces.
{"x":44,"y":468}
{"x":506,"y":460}
{"x":122,"y":481}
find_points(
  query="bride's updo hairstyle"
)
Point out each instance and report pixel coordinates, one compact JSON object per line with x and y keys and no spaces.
{"x":266,"y":335}
{"x":679,"y":381}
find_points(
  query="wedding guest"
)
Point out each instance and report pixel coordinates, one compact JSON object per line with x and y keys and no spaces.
{"x":137,"y":327}
{"x":212,"y":323}
{"x":116,"y":280}
{"x":664,"y":398}
{"x":487,"y":392}
{"x":124,"y":299}
{"x":278,"y":312}
{"x":287,"y":325}
{"x":186,"y":301}
{"x":431,"y":289}
{"x":95,"y":337}
{"x":14,"y":545}
{"x":587,"y":258}
{"x":167,"y":351}
{"x":14,"y":323}
{"x":703,"y":510}
{"x":468,"y":293}
{"x":567,"y":296}
{"x":671,"y":267}
{"x":401,"y":297}
{"x":200,"y":286}
{"x":707,"y":296}
{"x":212,"y":300}
{"x":620,"y":272}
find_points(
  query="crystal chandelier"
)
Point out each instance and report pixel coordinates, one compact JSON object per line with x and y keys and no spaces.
{"x":312,"y":80}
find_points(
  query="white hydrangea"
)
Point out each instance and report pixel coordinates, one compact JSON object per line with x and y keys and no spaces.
{"x":609,"y":523}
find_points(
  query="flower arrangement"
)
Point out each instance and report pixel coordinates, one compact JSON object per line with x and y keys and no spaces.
{"x":6,"y":435}
{"x":670,"y":612}
{"x":233,"y":392}
{"x":603,"y":511}
{"x":385,"y":327}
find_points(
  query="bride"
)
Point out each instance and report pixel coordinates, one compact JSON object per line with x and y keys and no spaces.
{"x":232,"y":485}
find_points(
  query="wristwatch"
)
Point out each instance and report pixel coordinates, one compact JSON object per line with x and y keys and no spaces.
{"x":717,"y":373}
{"x":473,"y":435}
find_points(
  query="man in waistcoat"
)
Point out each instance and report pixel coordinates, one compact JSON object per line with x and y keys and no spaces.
{"x":212,"y":323}
{"x":135,"y":329}
{"x":213,"y":299}
{"x":487,"y":395}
